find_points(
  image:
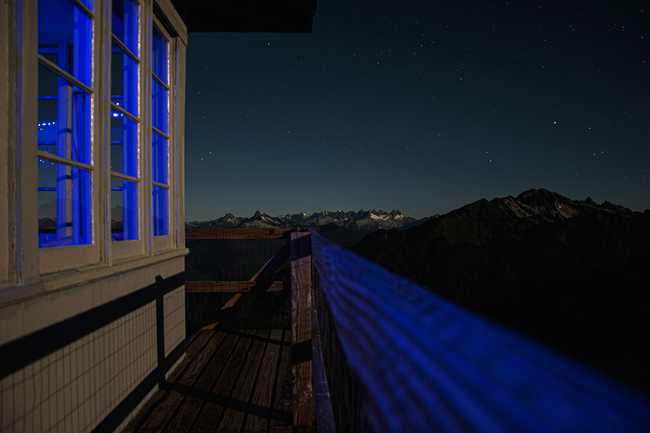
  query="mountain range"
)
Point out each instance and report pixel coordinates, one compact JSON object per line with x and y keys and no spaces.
{"x":364,"y":220}
{"x":572,"y":274}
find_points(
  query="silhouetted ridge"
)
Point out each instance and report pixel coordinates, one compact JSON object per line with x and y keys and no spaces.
{"x":549,"y":266}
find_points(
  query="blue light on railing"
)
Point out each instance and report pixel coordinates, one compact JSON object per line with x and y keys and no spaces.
{"x":425,"y":365}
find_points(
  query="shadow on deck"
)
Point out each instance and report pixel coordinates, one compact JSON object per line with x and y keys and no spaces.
{"x":235,"y":376}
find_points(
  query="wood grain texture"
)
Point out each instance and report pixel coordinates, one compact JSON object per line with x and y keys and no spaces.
{"x":171,"y":400}
{"x":187,"y":413}
{"x":227,"y":286}
{"x":235,"y":233}
{"x":263,"y":393}
{"x":233,"y":418}
{"x":283,"y":389}
{"x":301,"y":327}
{"x":199,"y":341}
{"x":212,"y":411}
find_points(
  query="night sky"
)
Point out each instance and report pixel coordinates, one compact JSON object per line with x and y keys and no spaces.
{"x":422,"y":106}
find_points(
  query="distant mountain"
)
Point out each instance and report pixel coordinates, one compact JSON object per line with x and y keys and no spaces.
{"x":365,"y":220}
{"x":573,"y":274}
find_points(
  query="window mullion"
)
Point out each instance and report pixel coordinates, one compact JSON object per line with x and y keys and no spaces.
{"x":58,"y":159}
{"x":65,"y":74}
{"x":124,"y":48}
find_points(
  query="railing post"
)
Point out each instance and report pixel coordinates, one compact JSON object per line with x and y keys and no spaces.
{"x":301,"y":331}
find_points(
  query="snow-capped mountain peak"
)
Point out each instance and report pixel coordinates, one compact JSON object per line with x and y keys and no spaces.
{"x":362,"y":220}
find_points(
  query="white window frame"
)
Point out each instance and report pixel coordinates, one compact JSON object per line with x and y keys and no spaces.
{"x":165,"y":242}
{"x":129,"y":248}
{"x":54,"y":259}
{"x":25,"y":268}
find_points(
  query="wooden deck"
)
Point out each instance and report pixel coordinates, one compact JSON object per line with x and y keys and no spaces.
{"x":236,"y":376}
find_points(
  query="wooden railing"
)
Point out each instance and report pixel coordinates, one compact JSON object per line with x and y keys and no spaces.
{"x":377,"y":353}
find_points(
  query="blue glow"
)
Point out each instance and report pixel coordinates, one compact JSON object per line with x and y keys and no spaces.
{"x":160,"y":211}
{"x":125,"y":23}
{"x":124,"y":132}
{"x":124,"y":145}
{"x":160,"y":145}
{"x":159,"y":160}
{"x":65,"y":37}
{"x":425,"y":365}
{"x":124,"y":211}
{"x":62,"y":218}
{"x":160,"y":55}
{"x":63,"y":126}
{"x":124,"y":80}
{"x":160,"y":106}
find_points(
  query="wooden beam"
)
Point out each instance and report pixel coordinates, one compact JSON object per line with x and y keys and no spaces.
{"x":235,"y":233}
{"x":301,"y":330}
{"x":227,"y":286}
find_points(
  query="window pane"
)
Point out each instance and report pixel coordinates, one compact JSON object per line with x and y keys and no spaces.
{"x":124,"y":80}
{"x":160,"y":55}
{"x":124,"y":210}
{"x":88,"y":4}
{"x":64,"y":205}
{"x":160,"y":211}
{"x":160,"y":106}
{"x":124,"y":145}
{"x":160,"y":159}
{"x":63,"y":117}
{"x":125,"y":23}
{"x":65,"y":37}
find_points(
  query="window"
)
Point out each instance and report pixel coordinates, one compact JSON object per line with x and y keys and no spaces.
{"x":125,"y":120}
{"x":160,"y":132}
{"x":65,"y":99}
{"x":103,"y":126}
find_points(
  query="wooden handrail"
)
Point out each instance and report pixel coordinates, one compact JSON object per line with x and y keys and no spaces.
{"x":401,"y":359}
{"x":227,"y":286}
{"x":235,"y":233}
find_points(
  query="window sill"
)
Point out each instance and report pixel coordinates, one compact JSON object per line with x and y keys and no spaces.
{"x":50,"y":283}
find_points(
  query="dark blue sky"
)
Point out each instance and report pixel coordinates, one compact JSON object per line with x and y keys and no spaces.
{"x":423,"y":107}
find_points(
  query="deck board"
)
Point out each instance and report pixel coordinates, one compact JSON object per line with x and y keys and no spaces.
{"x":231,"y":377}
{"x":170,"y":400}
{"x":263,"y":393}
{"x":283,"y":388}
{"x":186,"y":414}
{"x":197,"y":344}
{"x":234,"y":416}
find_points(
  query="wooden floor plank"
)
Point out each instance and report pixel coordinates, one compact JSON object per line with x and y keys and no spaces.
{"x":283,"y":389}
{"x":168,"y":405}
{"x":212,"y":411}
{"x":233,"y":418}
{"x":263,"y":392}
{"x":198,"y":342}
{"x":185,"y":417}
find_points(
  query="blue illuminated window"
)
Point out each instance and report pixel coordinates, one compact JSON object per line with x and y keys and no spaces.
{"x":65,"y":87}
{"x":124,"y":120}
{"x":160,"y":133}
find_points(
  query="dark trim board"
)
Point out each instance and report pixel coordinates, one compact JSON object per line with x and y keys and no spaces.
{"x":30,"y":348}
